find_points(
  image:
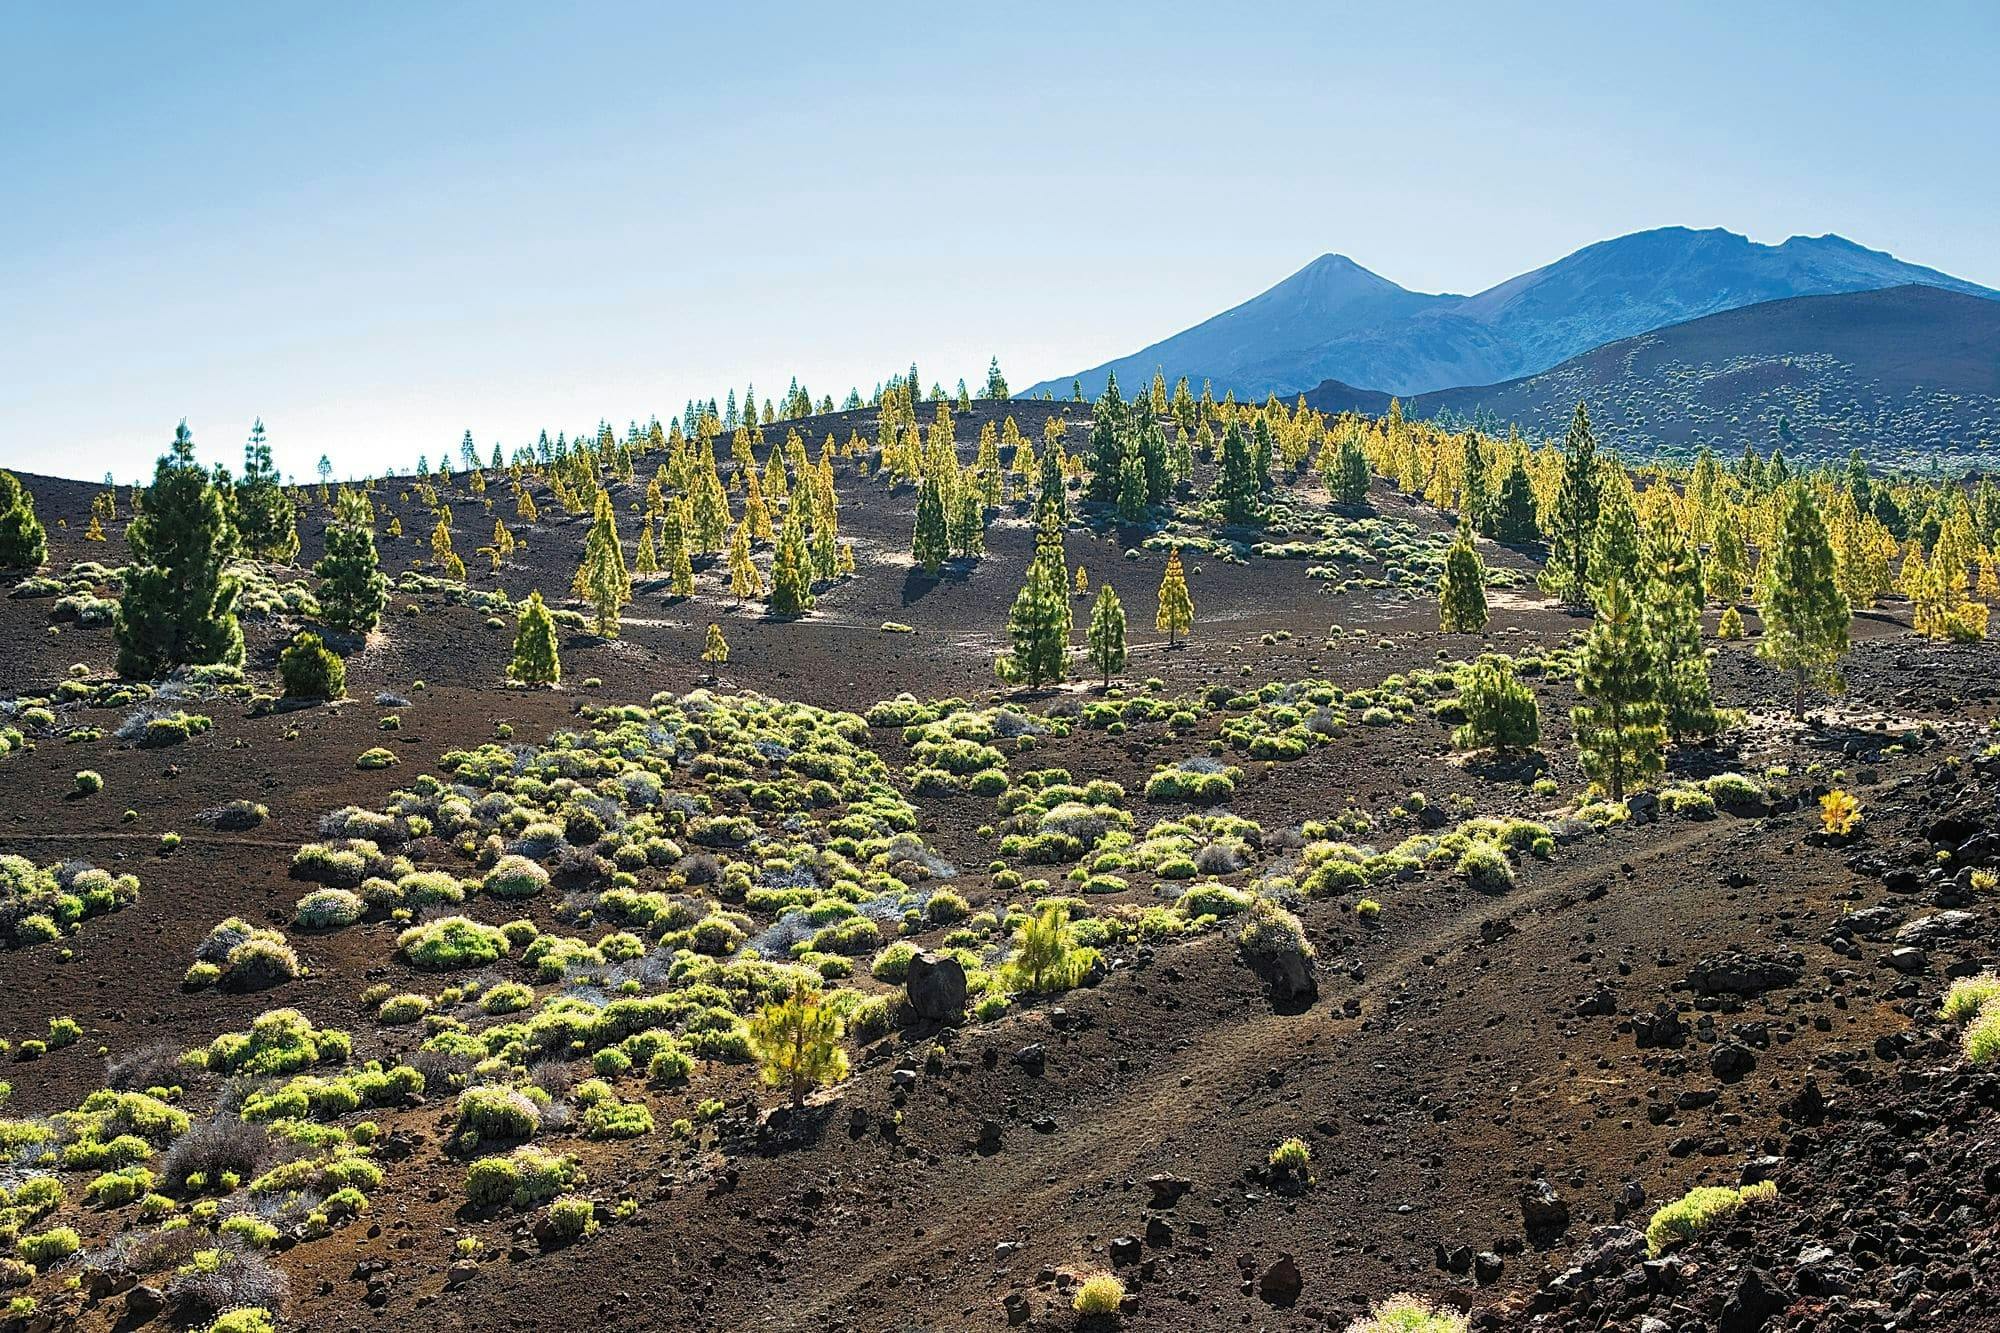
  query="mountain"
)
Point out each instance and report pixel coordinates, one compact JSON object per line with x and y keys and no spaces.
{"x":1335,"y":320}
{"x":1903,"y":371}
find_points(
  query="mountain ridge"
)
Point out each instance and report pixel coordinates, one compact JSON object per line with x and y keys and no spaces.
{"x":1335,"y":319}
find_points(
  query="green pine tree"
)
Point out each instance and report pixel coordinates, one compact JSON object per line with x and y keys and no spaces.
{"x":1619,"y":734}
{"x":1500,"y":711}
{"x":675,"y":562}
{"x":1614,"y":546}
{"x":1462,"y":590}
{"x":1039,"y":624}
{"x":1106,"y":637}
{"x":23,"y":542}
{"x":1132,"y":488}
{"x":1513,"y":510}
{"x":535,"y":658}
{"x":179,"y":606}
{"x":352,"y":588}
{"x":930,"y":541}
{"x":791,"y":568}
{"x":266,"y":521}
{"x":1568,"y":574}
{"x":1671,"y":609}
{"x":602,"y":579}
{"x":1347,"y":475}
{"x":1805,"y":615}
{"x":1237,"y":487}
{"x":1051,"y":498}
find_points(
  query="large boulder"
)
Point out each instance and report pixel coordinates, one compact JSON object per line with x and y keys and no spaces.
{"x":935,"y":984}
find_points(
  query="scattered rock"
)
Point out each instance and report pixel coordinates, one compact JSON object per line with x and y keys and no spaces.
{"x":935,"y":984}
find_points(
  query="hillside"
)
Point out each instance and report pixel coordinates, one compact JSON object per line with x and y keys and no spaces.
{"x":1336,"y":320}
{"x":528,"y":950}
{"x":1902,"y":374}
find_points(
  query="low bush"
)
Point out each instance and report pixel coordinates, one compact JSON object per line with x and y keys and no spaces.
{"x":1404,"y":1313}
{"x":1098,"y":1295}
{"x":1699,"y":1209}
{"x":311,"y":670}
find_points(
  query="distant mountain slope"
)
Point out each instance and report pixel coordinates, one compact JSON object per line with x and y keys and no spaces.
{"x":1335,"y":320}
{"x":1903,"y":371}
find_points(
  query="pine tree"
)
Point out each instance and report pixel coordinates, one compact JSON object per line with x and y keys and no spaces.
{"x":1051,"y":498}
{"x":930,"y":542}
{"x":1472,"y":497}
{"x":675,"y":562}
{"x":996,"y":383}
{"x":265,"y":519}
{"x":1106,"y":637}
{"x":1513,"y":512}
{"x":968,"y":531}
{"x":1039,"y":624}
{"x":796,"y":1040}
{"x":1347,"y":474}
{"x":716,"y":650}
{"x":646,"y":563}
{"x":1614,"y":546}
{"x":744,"y":581}
{"x":1671,"y":599}
{"x":1731,"y":624}
{"x":601,"y":579}
{"x":23,"y":542}
{"x":179,"y":606}
{"x":1805,"y":617}
{"x":1132,"y":488}
{"x":352,"y":588}
{"x":1568,"y":574}
{"x":535,"y":659}
{"x":1237,"y":487}
{"x":1176,"y":613}
{"x":1462,"y":590}
{"x":1729,"y":559}
{"x":791,"y":569}
{"x":449,"y":565}
{"x":1619,"y":735}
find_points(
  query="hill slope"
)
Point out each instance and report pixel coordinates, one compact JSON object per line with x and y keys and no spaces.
{"x":1335,"y":320}
{"x":1904,"y":371}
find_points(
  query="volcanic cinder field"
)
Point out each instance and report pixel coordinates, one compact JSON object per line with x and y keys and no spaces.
{"x":1526,"y":1019}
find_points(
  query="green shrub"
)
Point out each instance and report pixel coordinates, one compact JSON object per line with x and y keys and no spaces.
{"x":571,"y":1216}
{"x":244,"y":1319}
{"x":48,"y":1247}
{"x":88,"y":782}
{"x":515,"y":877}
{"x":452,"y":943}
{"x":398,"y":1010}
{"x":1500,"y":712}
{"x":1486,"y":866}
{"x":1699,"y":1209}
{"x":1969,"y":995}
{"x":1409,"y":1314}
{"x":1293,"y":1155}
{"x":375,"y":757}
{"x":487,"y":1113}
{"x":1098,"y":1295}
{"x":327,"y":909}
{"x":311,"y":670}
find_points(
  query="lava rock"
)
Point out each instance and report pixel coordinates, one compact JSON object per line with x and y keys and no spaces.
{"x":935,"y":984}
{"x":1281,"y":1283}
{"x":1542,"y":1209}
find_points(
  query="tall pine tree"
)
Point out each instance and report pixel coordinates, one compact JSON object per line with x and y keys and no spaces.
{"x":1568,"y":573}
{"x":535,"y":660}
{"x":352,"y":588}
{"x":179,"y":606}
{"x":1462,"y":590}
{"x":1805,"y":616}
{"x":1619,"y":734}
{"x":791,"y":568}
{"x":1106,"y":637}
{"x":23,"y":542}
{"x":1039,"y":624}
{"x":1175,"y":616}
{"x":1671,"y":609}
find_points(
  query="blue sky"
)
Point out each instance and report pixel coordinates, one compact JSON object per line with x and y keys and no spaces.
{"x":378,"y":225}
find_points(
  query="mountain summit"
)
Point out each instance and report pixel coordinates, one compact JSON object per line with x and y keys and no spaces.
{"x":1335,"y":320}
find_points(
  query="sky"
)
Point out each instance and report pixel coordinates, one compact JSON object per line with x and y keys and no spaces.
{"x":377,"y":226}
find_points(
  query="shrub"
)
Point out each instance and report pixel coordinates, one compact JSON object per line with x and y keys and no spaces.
{"x":398,"y":1010}
{"x":1098,"y":1295}
{"x":1839,"y":813}
{"x":796,"y":1041}
{"x":1273,"y":932}
{"x":245,"y":1319}
{"x":48,"y":1247}
{"x":228,"y":1145}
{"x":487,"y":1113}
{"x":1486,"y":866}
{"x":515,"y":877}
{"x":1368,"y":909}
{"x":376,"y":757}
{"x":260,"y":963}
{"x":451,"y":943}
{"x":509,"y":997}
{"x":1981,"y":1043}
{"x":89,"y":782}
{"x":327,"y":909}
{"x":1293,"y":1155}
{"x":1699,"y":1209}
{"x":1500,"y":712}
{"x":311,"y":670}
{"x":1969,"y":995}
{"x":893,"y":963}
{"x":226,"y":1279}
{"x":571,"y":1216}
{"x":1409,"y":1314}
